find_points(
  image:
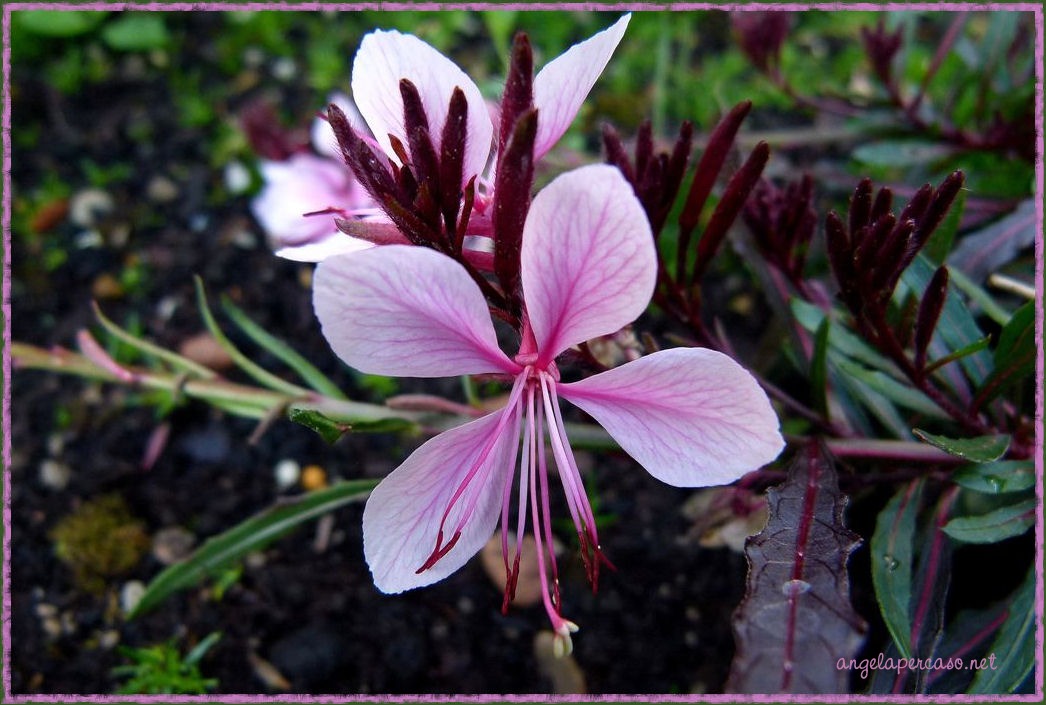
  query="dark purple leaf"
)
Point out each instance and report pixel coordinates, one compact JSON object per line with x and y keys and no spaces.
{"x":796,"y":620}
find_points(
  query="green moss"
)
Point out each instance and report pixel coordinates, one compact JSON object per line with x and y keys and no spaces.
{"x":100,"y":540}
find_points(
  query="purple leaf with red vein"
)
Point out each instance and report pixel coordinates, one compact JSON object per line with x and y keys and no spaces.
{"x":796,"y":620}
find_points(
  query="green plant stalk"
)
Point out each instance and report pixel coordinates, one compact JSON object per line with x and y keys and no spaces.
{"x":252,"y":402}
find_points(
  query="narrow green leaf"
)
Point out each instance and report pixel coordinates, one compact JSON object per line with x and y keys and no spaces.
{"x":1000,"y":477}
{"x":979,"y":296}
{"x":250,"y":535}
{"x":897,"y":392}
{"x":892,"y":552}
{"x":982,"y":449}
{"x":902,"y":153}
{"x":970,"y":349}
{"x":282,"y":351}
{"x":1014,"y":356}
{"x":328,"y":429}
{"x":995,"y":526}
{"x":177,"y":362}
{"x":1014,"y":647}
{"x":136,"y":31}
{"x":242,"y":361}
{"x":882,"y":408}
{"x":201,"y":649}
{"x":840,"y":339}
{"x":58,"y":23}
{"x":819,"y":368}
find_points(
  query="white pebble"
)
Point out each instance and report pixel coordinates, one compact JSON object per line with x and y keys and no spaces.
{"x":287,"y":472}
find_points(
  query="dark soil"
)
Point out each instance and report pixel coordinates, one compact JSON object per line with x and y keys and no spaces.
{"x":660,"y":624}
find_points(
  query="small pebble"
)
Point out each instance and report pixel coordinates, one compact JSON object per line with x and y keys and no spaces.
{"x":161,"y":189}
{"x":206,"y":350}
{"x":286,"y":472}
{"x":284,"y":68}
{"x":54,"y":475}
{"x":313,"y":477}
{"x":108,"y":639}
{"x":90,"y":205}
{"x":244,"y":239}
{"x":237,"y":178}
{"x":173,"y":544}
{"x":89,"y":239}
{"x":166,"y":308}
{"x":199,"y":222}
{"x":106,"y":286}
{"x":131,"y":594}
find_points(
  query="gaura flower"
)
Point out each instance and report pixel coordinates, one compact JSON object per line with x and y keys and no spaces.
{"x":691,"y":417}
{"x":302,"y":191}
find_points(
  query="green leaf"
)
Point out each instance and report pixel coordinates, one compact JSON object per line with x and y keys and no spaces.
{"x":250,"y":535}
{"x":839,"y":338}
{"x":881,"y":407}
{"x":242,"y":361}
{"x":978,"y":296}
{"x":959,"y":354}
{"x":328,"y":429}
{"x":58,"y":23}
{"x":282,"y":351}
{"x":1000,"y":477}
{"x":901,"y":153}
{"x":892,"y":552}
{"x":819,"y":368}
{"x":176,"y":361}
{"x":1014,"y":646}
{"x":897,"y":392}
{"x":1014,"y":355}
{"x":136,"y":31}
{"x":995,"y":526}
{"x":982,"y":449}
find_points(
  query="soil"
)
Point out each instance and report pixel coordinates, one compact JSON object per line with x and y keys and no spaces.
{"x":659,"y":624}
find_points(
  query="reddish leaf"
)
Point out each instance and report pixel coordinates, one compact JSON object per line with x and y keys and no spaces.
{"x":796,"y":621}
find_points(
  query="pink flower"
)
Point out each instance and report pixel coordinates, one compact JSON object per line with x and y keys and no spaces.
{"x":301,"y":193}
{"x":691,"y":417}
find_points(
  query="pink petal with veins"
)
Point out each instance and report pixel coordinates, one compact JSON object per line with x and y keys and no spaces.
{"x":386,"y":57}
{"x":587,"y":262}
{"x":404,"y":513}
{"x":691,"y":417}
{"x":563,"y":84}
{"x":328,"y":245}
{"x":406,"y":311}
{"x":303,"y":184}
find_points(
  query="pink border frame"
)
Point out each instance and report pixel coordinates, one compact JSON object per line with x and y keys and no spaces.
{"x":7,"y":696}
